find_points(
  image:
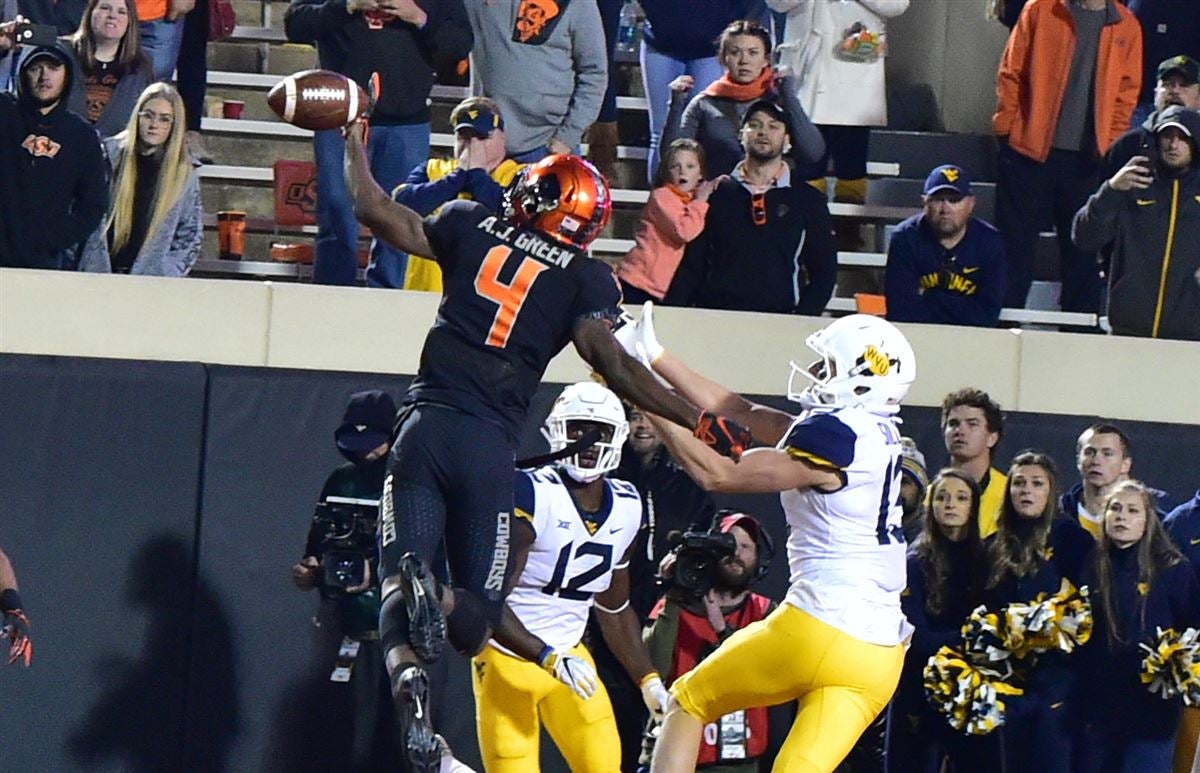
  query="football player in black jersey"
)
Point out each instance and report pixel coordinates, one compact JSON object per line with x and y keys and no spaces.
{"x":518,"y":288}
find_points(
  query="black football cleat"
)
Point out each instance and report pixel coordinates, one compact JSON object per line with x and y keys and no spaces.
{"x":426,"y":623}
{"x":422,"y":751}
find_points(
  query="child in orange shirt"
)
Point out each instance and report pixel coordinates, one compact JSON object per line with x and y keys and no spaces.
{"x":672,"y":217}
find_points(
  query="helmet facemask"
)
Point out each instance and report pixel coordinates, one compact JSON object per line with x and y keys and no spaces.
{"x":864,"y":362}
{"x":563,"y":197}
{"x":587,"y":403}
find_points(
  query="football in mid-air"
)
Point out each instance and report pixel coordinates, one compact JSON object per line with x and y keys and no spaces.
{"x":317,"y":100}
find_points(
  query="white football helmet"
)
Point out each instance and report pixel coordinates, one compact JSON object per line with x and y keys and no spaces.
{"x":865,"y":362}
{"x":587,"y":401}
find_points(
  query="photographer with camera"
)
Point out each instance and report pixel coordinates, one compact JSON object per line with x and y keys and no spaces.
{"x":340,"y":560}
{"x":709,"y":598}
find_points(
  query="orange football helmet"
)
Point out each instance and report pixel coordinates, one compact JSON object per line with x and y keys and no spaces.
{"x":563,"y":196}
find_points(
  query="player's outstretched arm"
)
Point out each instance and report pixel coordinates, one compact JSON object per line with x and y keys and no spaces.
{"x":15,"y":626}
{"x":622,"y":631}
{"x":631,"y":380}
{"x":760,"y":471}
{"x":639,"y":339}
{"x":388,"y":220}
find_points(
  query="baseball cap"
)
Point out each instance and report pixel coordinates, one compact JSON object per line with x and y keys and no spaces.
{"x":47,"y":52}
{"x":765,"y":106}
{"x":1182,"y":118}
{"x":948,"y":177}
{"x":912,"y":463}
{"x":1186,"y":66}
{"x":479,"y":120}
{"x":367,"y":423}
{"x":747,"y":522}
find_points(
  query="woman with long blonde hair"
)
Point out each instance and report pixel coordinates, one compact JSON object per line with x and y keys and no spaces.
{"x":1140,"y":582}
{"x":153,"y":224}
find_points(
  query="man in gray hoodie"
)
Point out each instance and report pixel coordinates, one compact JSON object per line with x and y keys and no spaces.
{"x":545,"y":64}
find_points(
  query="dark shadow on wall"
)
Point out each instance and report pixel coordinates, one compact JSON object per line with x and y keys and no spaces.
{"x":139,"y":721}
{"x":312,"y":726}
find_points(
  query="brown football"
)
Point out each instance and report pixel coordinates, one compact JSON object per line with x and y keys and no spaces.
{"x":317,"y":99}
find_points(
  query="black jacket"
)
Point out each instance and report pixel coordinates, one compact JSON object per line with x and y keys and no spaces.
{"x":65,"y":15}
{"x":405,"y":57}
{"x":787,"y":264}
{"x":671,"y":502}
{"x":1138,"y":141}
{"x":1153,"y":289}
{"x":55,"y":188}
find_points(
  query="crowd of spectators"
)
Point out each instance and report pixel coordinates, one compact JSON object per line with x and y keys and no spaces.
{"x":1081,"y":88}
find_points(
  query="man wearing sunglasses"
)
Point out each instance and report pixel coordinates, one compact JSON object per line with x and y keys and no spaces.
{"x":767,"y":245}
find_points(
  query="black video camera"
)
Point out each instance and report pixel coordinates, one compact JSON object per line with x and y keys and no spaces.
{"x":698,"y":560}
{"x":345,"y":530}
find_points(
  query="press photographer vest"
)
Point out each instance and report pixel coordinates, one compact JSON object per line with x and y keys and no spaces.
{"x":723,"y":736}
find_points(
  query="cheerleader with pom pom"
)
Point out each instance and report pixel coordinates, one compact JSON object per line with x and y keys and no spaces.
{"x":947,"y":569}
{"x":1141,"y":586}
{"x":1032,"y":551}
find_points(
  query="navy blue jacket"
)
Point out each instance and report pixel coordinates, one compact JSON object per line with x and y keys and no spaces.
{"x":1183,"y":525}
{"x":925,"y":282}
{"x":685,"y":29}
{"x":931,"y":632}
{"x":1068,"y":503}
{"x":1110,"y":693}
{"x":1068,"y":548}
{"x":423,"y":197}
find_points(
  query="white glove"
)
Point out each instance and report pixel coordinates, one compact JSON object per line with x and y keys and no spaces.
{"x":572,"y":671}
{"x":655,"y":696}
{"x":641,"y":332}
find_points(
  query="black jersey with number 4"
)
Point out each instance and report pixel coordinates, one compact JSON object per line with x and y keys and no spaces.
{"x":510,"y":300}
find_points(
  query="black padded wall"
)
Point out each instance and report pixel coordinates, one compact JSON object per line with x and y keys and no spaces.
{"x":153,"y":512}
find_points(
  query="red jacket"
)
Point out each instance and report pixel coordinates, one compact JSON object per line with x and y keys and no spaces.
{"x":695,"y":639}
{"x":1033,"y":76}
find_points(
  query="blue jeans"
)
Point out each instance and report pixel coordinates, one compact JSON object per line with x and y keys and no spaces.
{"x":392,"y":152}
{"x":658,"y":70}
{"x":610,"y":19}
{"x":161,"y":40}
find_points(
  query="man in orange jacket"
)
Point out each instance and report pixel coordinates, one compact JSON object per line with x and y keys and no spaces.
{"x":1067,"y":86}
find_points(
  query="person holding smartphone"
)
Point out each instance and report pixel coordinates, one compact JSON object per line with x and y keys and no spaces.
{"x":1143,"y":210}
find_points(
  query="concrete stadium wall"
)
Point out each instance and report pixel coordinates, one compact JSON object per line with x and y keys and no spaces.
{"x":346,"y":329}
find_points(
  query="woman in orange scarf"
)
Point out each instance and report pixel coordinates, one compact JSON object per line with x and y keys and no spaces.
{"x":714,"y":116}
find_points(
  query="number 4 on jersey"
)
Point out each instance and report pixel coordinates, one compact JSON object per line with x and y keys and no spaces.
{"x":510,"y":297}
